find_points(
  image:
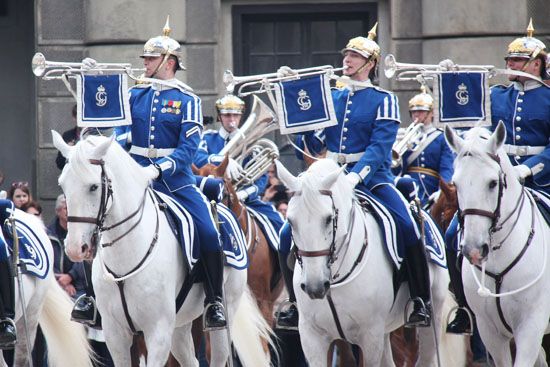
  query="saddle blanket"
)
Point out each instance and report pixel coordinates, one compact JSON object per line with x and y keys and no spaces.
{"x":394,"y":246}
{"x":231,"y":235}
{"x":32,"y":252}
{"x":543,"y":203}
{"x":266,"y":226}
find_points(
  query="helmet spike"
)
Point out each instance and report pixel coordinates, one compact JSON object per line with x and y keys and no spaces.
{"x":166,"y":30}
{"x":530,"y":29}
{"x":423,"y":89}
{"x":372,"y":32}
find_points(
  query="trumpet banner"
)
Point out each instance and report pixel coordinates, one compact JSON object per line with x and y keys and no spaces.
{"x":461,"y":99}
{"x":102,"y":100}
{"x":304,"y":104}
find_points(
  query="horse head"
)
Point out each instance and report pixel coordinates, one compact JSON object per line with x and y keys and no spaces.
{"x":445,"y":206}
{"x":481,"y":172}
{"x":89,"y":181}
{"x":318,"y":211}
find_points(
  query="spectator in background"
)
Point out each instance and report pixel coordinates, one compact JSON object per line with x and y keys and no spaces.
{"x":20,"y":193}
{"x":33,"y":207}
{"x":71,"y":137}
{"x":281,"y":207}
{"x":275,"y":191}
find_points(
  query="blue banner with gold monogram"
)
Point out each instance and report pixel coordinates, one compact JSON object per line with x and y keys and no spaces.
{"x":102,"y":100}
{"x":462,"y":99}
{"x":304,"y":104}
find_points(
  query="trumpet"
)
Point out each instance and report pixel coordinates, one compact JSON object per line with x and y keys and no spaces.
{"x":261,"y":82}
{"x":406,"y":71}
{"x":408,"y":138}
{"x":264,"y":152}
{"x":49,"y":70}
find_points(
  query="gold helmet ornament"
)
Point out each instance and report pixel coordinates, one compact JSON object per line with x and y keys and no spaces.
{"x":365,"y":46}
{"x":230,"y":104}
{"x":422,"y":101}
{"x":526,"y":47}
{"x":163,"y":45}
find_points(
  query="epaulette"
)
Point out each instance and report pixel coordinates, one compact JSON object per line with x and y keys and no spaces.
{"x":209,"y":131}
{"x":380,"y":89}
{"x":500,"y":86}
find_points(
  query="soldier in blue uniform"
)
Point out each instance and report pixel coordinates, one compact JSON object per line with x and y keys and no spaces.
{"x":431,"y":158}
{"x":8,"y":335}
{"x":230,"y":110}
{"x":524,"y":108}
{"x":165,"y":134}
{"x":368,"y":119}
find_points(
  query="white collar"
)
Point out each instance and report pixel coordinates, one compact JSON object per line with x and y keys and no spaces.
{"x":355,"y":85}
{"x":527,"y":85}
{"x":225,"y":134}
{"x":426,"y":129}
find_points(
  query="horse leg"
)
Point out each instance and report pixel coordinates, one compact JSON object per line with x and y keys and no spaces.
{"x":219,"y":348}
{"x":528,"y":349}
{"x":387,"y":357}
{"x":119,"y":341}
{"x":373,"y":345}
{"x":496,"y":344}
{"x":159,"y":341}
{"x":183,"y":346}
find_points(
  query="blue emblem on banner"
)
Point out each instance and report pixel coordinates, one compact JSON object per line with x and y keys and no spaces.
{"x":461,"y":99}
{"x":102,"y":101}
{"x":304,"y":104}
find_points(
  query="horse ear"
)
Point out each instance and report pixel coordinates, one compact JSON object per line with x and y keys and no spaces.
{"x":331,"y":178}
{"x":498,"y":137}
{"x":220,"y":170}
{"x":290,"y":181}
{"x":445,"y":188}
{"x":454,"y":141}
{"x":101,"y":149}
{"x":60,"y":144}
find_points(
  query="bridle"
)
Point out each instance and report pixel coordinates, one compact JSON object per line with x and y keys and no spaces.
{"x":99,"y":219}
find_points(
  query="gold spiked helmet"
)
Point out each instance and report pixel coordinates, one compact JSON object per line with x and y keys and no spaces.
{"x":365,"y":46}
{"x":163,"y":45}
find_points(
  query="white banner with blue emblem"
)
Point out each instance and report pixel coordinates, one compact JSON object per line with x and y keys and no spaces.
{"x":461,"y":99}
{"x":102,"y":100}
{"x":304,"y":104}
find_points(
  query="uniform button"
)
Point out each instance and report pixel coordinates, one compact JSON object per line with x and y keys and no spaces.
{"x":344,"y":138}
{"x":520,"y":100}
{"x":343,"y":147}
{"x":350,"y":102}
{"x":152,"y":118}
{"x":422,"y":165}
{"x":422,"y":159}
{"x":423,"y":175}
{"x":519,"y":109}
{"x":518,"y":128}
{"x":151,"y":146}
{"x":518,"y":137}
{"x":345,"y":129}
{"x":152,"y":128}
{"x":351,"y":94}
{"x":348,"y":111}
{"x":521,"y":93}
{"x":517,"y":157}
{"x":157,"y":93}
{"x":152,"y":137}
{"x":518,"y":118}
{"x":156,"y":100}
{"x":346,"y":119}
{"x":154,"y":109}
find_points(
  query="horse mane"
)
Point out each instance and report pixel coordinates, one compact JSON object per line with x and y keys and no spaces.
{"x":116,"y":155}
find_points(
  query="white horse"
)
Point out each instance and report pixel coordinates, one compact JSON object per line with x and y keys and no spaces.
{"x":342,"y":265}
{"x":101,"y":180}
{"x":47,"y":304}
{"x":504,"y":234}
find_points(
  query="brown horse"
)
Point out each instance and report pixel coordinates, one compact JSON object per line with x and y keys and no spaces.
{"x":445,"y":206}
{"x":264,"y":277}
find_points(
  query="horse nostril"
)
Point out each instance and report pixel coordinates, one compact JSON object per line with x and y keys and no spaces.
{"x":484,"y":250}
{"x":327,"y":285}
{"x":84,"y":248}
{"x":303,"y":286}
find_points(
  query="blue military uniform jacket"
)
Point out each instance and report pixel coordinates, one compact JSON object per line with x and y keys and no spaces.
{"x":211,"y":144}
{"x":525,"y":110}
{"x":166,"y":128}
{"x":368,"y":119}
{"x":431,"y":161}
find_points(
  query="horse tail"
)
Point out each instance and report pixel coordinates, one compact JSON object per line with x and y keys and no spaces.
{"x":67,"y":342}
{"x":248,"y":329}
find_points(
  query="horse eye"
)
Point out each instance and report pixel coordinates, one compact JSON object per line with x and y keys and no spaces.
{"x":328,"y":220}
{"x":493,"y":184}
{"x":93,"y":188}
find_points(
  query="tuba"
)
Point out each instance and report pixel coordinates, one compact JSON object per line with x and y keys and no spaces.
{"x":407,"y":139}
{"x":248,"y":142}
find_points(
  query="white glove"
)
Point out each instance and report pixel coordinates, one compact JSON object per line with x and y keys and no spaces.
{"x":89,"y":64}
{"x":522,"y":171}
{"x":353,"y":178}
{"x":285,"y":71}
{"x":242,"y":195}
{"x":153,"y":171}
{"x":233,"y":169}
{"x":448,"y":65}
{"x":3,"y":194}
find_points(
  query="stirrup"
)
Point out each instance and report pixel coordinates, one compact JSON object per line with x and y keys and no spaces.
{"x":283,"y":304}
{"x":206,"y":308}
{"x":90,"y":322}
{"x":427,"y":318}
{"x":9,"y":345}
{"x":469,"y":331}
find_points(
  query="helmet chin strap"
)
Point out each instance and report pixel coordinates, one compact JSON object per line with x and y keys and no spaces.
{"x":531,"y":59}
{"x":164,"y":60}
{"x":360,"y":69}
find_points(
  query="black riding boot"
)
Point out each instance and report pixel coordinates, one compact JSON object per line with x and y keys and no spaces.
{"x":419,"y":285}
{"x":85,"y":310}
{"x":288,"y":319}
{"x":8,"y":335}
{"x":461,"y":323}
{"x":214,"y":313}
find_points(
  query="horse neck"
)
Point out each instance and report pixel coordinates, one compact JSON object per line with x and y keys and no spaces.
{"x":351,"y":234}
